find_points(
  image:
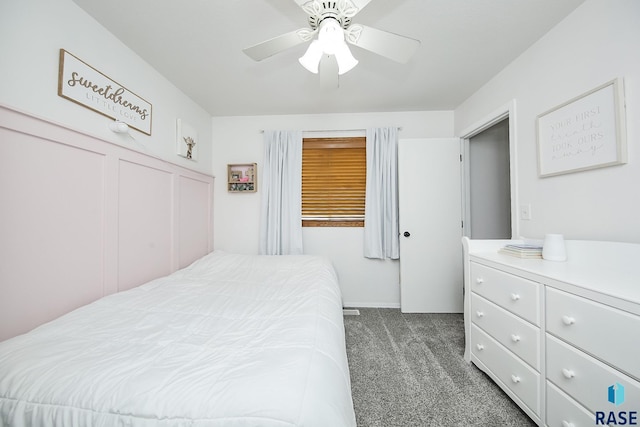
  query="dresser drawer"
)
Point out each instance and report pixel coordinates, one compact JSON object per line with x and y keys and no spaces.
{"x":562,"y":411}
{"x":514,"y":374}
{"x":605,"y":332}
{"x":518,"y":335}
{"x":586,"y":379}
{"x":513,"y":293}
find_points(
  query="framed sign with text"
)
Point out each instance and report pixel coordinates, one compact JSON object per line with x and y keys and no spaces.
{"x":584,"y":133}
{"x":86,"y":86}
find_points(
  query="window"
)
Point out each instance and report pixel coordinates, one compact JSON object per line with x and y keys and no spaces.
{"x":334,"y":174}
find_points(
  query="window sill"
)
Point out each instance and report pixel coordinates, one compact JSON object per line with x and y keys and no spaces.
{"x":326,"y":223}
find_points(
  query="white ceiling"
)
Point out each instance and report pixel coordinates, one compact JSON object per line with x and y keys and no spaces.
{"x":197,"y":45}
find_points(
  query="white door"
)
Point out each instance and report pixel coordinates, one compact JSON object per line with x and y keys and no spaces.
{"x":430,"y":217}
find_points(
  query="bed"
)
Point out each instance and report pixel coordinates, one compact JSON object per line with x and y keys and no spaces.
{"x":231,"y":340}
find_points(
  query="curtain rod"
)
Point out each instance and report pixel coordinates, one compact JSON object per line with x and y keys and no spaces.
{"x":335,"y":130}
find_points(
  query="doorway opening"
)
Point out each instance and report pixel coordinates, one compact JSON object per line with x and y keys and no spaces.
{"x":489,"y":177}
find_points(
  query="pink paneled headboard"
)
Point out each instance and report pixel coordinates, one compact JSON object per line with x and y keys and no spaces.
{"x":81,"y":218}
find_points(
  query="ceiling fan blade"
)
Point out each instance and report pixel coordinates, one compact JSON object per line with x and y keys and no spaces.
{"x":360,"y":4}
{"x":310,"y":7}
{"x":278,"y":44}
{"x":328,"y":71}
{"x":393,"y":46}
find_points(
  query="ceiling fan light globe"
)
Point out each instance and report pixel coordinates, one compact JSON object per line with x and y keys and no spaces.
{"x":331,"y":36}
{"x":346,"y":61}
{"x":311,"y":59}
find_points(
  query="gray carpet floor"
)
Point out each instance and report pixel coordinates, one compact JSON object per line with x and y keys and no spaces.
{"x":408,"y":370}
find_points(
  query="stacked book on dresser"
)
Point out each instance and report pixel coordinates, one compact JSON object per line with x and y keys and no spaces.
{"x":523,"y":250}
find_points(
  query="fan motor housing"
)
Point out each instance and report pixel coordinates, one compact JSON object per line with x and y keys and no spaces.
{"x":341,"y":10}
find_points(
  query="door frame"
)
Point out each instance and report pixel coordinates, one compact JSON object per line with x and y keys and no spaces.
{"x":507,"y":111}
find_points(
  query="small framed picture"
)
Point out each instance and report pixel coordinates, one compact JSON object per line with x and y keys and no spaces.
{"x":236,"y":175}
{"x":241,"y":178}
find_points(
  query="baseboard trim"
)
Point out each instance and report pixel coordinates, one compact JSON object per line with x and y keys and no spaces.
{"x":371,"y":304}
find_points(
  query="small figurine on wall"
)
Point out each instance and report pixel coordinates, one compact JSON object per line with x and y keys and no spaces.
{"x":186,"y":140}
{"x":190,"y":143}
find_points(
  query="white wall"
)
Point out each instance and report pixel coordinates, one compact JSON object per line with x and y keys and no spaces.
{"x":595,"y":44}
{"x":31,"y":34}
{"x":364,"y":282}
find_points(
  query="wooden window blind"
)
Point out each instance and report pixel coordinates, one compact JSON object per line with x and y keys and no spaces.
{"x":334,"y":174}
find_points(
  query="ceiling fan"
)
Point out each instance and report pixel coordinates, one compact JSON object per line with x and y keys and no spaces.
{"x":329,"y":54}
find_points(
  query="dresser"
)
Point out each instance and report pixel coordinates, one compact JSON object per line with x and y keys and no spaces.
{"x":562,"y":339}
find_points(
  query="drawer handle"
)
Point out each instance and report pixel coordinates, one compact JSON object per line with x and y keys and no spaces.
{"x":568,"y":373}
{"x":479,"y":313}
{"x":567,"y":424}
{"x":480,"y":347}
{"x":515,"y":338}
{"x":479,"y":280}
{"x":515,"y":379}
{"x":515,"y":297}
{"x":568,"y":320}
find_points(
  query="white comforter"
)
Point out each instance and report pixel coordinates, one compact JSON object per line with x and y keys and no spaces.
{"x":232,"y":340}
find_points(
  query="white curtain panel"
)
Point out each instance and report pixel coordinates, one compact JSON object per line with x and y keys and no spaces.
{"x":281,"y":183}
{"x":381,"y":205}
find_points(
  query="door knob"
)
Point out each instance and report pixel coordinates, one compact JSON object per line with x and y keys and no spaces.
{"x":406,"y":234}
